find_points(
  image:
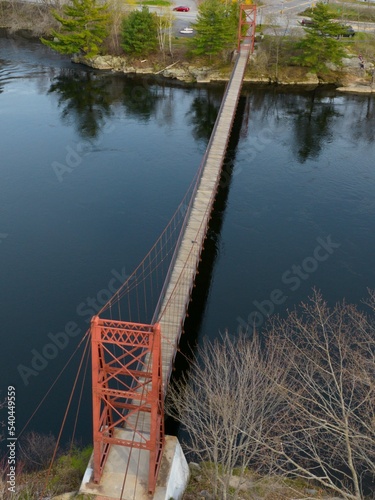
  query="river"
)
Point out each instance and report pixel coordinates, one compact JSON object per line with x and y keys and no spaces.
{"x":94,"y":164}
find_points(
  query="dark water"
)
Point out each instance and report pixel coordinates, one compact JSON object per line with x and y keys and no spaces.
{"x":92,"y":167}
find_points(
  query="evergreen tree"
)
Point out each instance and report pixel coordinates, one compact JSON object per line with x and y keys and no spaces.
{"x":83,"y":28}
{"x":216,"y":28}
{"x":139,"y":32}
{"x":320,"y":44}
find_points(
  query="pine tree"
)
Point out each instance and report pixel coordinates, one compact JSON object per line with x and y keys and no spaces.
{"x":216,"y":28}
{"x":83,"y":28}
{"x":139,"y":32}
{"x":320,"y":45}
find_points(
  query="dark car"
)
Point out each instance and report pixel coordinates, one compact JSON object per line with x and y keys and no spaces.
{"x":182,"y":8}
{"x":307,"y":22}
{"x":347,"y":31}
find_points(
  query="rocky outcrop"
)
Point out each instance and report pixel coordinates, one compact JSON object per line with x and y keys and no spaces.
{"x":357,"y":89}
{"x":179,"y":71}
{"x":352,"y":79}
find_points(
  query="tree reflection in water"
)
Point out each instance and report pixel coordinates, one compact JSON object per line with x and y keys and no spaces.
{"x":140,"y":98}
{"x":313,"y":128}
{"x":84,"y":99}
{"x":364,"y":119}
{"x":203,"y":113}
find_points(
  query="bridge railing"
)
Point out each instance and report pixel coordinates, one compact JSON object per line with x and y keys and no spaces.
{"x":190,"y":197}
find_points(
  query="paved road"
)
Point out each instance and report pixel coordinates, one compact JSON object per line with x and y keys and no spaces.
{"x":285,"y":14}
{"x":183,"y":19}
{"x":281,"y":12}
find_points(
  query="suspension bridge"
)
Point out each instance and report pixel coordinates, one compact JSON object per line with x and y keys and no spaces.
{"x":135,"y":336}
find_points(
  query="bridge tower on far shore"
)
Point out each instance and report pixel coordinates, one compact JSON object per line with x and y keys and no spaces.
{"x":246,"y":26}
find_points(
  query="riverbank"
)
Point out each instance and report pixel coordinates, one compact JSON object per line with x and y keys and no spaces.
{"x":350,"y":78}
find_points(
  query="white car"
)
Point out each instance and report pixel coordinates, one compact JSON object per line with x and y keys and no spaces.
{"x":187,"y":31}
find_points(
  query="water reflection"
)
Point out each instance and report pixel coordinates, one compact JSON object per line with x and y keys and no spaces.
{"x":84,"y":99}
{"x":140,"y":100}
{"x":312,"y":128}
{"x":5,"y":73}
{"x":203,"y":113}
{"x":271,"y":221}
{"x":364,"y":120}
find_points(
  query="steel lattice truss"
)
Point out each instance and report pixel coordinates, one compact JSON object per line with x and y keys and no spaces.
{"x":127,"y":390}
{"x":246,"y":26}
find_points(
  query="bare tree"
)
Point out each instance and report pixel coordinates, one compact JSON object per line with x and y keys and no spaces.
{"x":327,"y":432}
{"x":165,"y":29}
{"x":117,"y":9}
{"x":228,"y":406}
{"x":37,"y":450}
{"x":303,"y":403}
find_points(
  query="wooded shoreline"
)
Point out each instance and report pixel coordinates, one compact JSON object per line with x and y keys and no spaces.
{"x":349,"y":79}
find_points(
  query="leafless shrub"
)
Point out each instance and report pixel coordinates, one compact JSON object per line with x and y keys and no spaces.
{"x":302,"y":405}
{"x":327,"y":432}
{"x":36,"y":450}
{"x":228,"y":406}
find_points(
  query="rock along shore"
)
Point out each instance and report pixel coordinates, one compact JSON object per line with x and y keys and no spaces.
{"x":351,"y":79}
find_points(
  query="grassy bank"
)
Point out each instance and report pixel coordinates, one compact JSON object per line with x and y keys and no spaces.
{"x":33,"y":477}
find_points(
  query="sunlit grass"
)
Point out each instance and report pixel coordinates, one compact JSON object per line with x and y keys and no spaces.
{"x":158,"y":3}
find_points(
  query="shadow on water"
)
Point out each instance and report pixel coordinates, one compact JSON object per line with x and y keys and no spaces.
{"x":196,"y":311}
{"x":84,"y":99}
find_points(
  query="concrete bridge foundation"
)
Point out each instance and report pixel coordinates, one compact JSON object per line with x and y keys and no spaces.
{"x":172,"y":480}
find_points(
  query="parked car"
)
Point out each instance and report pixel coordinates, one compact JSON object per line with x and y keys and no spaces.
{"x":347,"y":31}
{"x":182,"y":8}
{"x":307,"y":22}
{"x":187,"y":31}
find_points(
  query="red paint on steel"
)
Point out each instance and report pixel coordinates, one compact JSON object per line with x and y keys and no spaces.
{"x":126,"y":382}
{"x":247,"y":19}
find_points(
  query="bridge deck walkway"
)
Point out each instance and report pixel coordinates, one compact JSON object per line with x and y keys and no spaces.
{"x":178,"y":293}
{"x":176,"y":301}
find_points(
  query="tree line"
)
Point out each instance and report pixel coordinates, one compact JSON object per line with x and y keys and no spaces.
{"x":85,"y":26}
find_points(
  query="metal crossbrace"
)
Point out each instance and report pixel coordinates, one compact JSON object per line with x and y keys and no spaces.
{"x":127,"y":382}
{"x":247,"y":19}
